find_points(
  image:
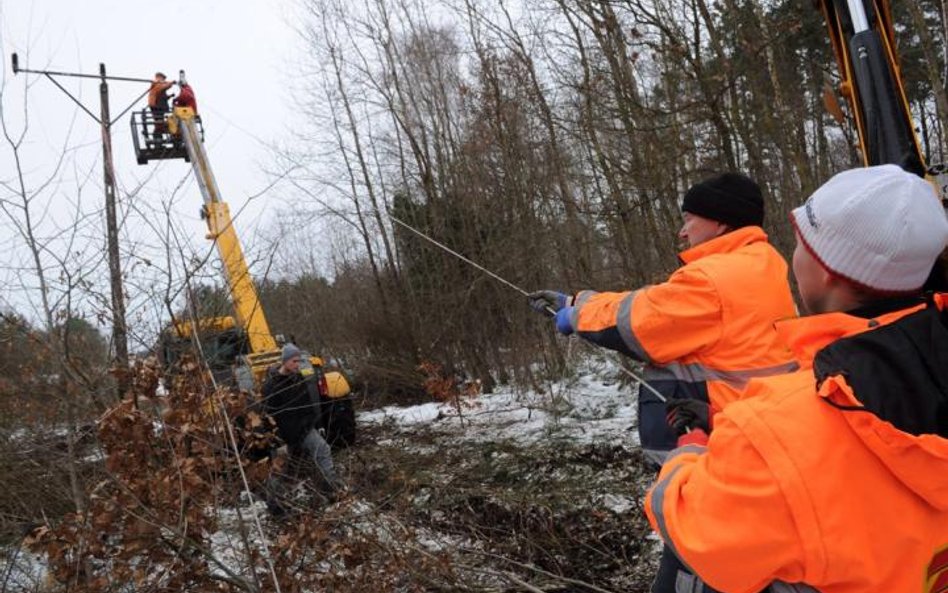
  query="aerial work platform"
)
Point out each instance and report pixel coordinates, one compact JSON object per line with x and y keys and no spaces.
{"x":156,"y":136}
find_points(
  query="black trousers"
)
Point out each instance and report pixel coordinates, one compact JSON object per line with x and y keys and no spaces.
{"x":674,"y":577}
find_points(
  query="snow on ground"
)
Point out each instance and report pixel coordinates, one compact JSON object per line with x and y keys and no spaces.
{"x":228,"y":542}
{"x":21,"y":570}
{"x":560,"y":462}
{"x":593,"y":408}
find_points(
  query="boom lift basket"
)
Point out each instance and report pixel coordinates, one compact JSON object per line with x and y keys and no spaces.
{"x":155,"y":137}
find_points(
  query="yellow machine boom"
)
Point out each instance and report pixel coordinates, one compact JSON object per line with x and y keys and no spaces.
{"x":220,"y":228}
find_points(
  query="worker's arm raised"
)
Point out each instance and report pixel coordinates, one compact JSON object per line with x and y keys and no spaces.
{"x":658,"y":323}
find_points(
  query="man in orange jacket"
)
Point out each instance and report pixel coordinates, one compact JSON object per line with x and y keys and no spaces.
{"x":158,"y":101}
{"x":705,"y":331}
{"x":833,"y":478}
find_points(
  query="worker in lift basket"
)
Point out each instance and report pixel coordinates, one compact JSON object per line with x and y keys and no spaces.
{"x":704,"y":332}
{"x":186,"y":98}
{"x":833,"y":478}
{"x":158,"y":101}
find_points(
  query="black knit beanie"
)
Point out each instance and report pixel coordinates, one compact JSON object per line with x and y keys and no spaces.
{"x":729,"y":198}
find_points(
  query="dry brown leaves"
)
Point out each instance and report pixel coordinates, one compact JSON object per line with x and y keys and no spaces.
{"x":149,"y":526}
{"x":445,"y":387}
{"x":170,"y":465}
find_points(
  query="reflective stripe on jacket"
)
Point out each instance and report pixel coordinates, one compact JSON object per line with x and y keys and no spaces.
{"x":835,"y":476}
{"x":704,"y":332}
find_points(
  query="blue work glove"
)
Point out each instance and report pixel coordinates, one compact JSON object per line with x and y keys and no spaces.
{"x":686,"y":413}
{"x":548,"y":301}
{"x":564,"y":321}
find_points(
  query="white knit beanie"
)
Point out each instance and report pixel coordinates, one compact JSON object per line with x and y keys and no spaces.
{"x":879,"y":227}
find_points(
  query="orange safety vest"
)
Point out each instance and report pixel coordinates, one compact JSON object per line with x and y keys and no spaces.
{"x":704,"y":332}
{"x":156,"y":94}
{"x":835,"y":476}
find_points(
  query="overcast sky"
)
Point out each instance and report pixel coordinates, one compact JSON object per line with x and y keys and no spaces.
{"x":238,"y":55}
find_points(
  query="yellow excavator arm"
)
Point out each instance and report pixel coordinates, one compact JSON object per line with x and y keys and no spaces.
{"x":220,"y":229}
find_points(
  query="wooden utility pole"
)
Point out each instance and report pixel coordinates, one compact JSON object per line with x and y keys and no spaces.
{"x":119,"y":331}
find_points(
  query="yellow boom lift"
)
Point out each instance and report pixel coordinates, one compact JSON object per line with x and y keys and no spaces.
{"x":239,"y":349}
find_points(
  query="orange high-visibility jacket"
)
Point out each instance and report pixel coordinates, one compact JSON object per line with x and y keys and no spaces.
{"x":835,"y":476}
{"x":156,"y":94}
{"x":704,"y":332}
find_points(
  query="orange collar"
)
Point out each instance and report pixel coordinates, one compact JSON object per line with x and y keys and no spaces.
{"x":726,"y":243}
{"x":806,"y":336}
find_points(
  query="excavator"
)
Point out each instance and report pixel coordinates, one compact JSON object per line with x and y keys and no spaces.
{"x":239,"y":349}
{"x":863,"y":39}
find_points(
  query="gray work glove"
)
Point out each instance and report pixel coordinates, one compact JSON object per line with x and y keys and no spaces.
{"x":549,"y":302}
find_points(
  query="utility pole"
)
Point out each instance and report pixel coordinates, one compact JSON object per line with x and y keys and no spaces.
{"x":119,"y":330}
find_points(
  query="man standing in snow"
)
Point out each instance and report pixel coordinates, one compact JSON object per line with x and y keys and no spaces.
{"x":290,"y":398}
{"x":705,"y":331}
{"x":835,"y":477}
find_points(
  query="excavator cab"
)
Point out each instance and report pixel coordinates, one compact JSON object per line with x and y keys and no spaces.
{"x":156,"y":136}
{"x":220,"y":348}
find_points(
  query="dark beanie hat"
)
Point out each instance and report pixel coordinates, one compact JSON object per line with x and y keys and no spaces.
{"x":729,"y":198}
